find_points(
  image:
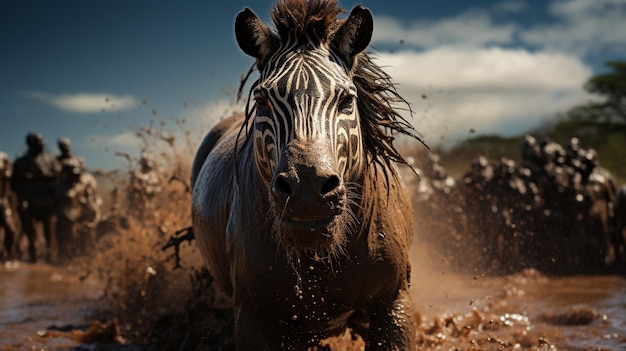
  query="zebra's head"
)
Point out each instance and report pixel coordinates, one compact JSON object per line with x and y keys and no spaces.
{"x":308,"y":143}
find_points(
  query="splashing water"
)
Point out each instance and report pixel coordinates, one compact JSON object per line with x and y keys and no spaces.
{"x":128,"y":279}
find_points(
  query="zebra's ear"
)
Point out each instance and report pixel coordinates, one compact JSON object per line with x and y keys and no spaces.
{"x":355,"y":33}
{"x":254,"y":37}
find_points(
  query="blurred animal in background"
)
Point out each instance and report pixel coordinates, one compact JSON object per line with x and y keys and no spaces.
{"x":144,"y":185}
{"x":620,"y":227}
{"x":65,"y":151}
{"x":297,"y":206}
{"x":34,"y":179}
{"x":7,"y":220}
{"x":78,"y":209}
{"x":599,"y":191}
{"x":556,"y":211}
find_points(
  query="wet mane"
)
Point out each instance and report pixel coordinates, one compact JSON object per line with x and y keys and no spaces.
{"x":300,"y":18}
{"x":377,"y":94}
{"x":380,"y":118}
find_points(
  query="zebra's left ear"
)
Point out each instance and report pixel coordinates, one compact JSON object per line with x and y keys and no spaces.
{"x":254,"y":37}
{"x":355,"y":33}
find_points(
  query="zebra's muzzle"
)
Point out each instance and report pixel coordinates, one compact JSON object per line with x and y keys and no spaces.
{"x":307,"y":196}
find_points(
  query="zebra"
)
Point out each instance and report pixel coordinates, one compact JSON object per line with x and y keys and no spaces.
{"x":297,"y":205}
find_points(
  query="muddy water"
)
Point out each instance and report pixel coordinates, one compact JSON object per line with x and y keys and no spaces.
{"x":35,"y":297}
{"x":459,"y":310}
{"x":523,"y":311}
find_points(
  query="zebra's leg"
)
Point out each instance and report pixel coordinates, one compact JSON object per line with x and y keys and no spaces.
{"x":393,"y":326}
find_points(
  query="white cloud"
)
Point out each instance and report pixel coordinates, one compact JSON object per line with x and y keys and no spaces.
{"x":582,"y":27}
{"x":470,"y":29}
{"x":453,"y":90}
{"x":198,"y":121}
{"x":498,"y":77}
{"x":486,"y":69}
{"x":85,"y":102}
{"x":577,"y":26}
{"x":203,"y":117}
{"x":122,"y":141}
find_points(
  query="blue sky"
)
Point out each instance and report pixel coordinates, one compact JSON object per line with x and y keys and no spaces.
{"x":97,"y":71}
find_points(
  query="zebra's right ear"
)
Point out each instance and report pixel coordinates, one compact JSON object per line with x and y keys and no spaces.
{"x":254,"y":37}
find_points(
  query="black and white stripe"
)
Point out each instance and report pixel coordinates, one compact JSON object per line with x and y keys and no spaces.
{"x":305,"y":91}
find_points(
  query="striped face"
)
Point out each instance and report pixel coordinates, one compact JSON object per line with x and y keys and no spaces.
{"x":306,"y":94}
{"x":306,"y":130}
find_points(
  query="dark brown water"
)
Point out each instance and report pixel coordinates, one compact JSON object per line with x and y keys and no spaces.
{"x":35,"y":297}
{"x":459,"y":311}
{"x":524,"y":311}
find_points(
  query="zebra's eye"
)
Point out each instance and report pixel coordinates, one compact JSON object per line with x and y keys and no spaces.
{"x":346,"y":105}
{"x":262,"y":105}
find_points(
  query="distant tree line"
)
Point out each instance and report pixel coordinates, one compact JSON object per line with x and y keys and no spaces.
{"x":611,"y":86}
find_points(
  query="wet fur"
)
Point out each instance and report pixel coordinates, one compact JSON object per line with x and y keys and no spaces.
{"x":287,"y":297}
{"x":369,"y":267}
{"x":334,"y":240}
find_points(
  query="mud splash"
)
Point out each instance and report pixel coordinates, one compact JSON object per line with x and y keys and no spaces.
{"x":48,"y":307}
{"x":525,"y":311}
{"x":129,"y":290}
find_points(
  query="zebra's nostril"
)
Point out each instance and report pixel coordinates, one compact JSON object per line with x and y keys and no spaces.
{"x":331,"y":184}
{"x":282,"y":185}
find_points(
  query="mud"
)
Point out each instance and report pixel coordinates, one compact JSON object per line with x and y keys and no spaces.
{"x":127,"y":294}
{"x":38,"y":297}
{"x":45,"y":307}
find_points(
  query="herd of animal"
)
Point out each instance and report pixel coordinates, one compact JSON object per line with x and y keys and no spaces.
{"x":55,"y":193}
{"x":56,"y":196}
{"x":556,"y":210}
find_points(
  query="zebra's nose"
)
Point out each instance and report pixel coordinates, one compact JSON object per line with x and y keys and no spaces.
{"x":306,"y":185}
{"x":283,"y":184}
{"x":313,"y":187}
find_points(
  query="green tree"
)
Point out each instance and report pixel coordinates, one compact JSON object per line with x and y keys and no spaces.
{"x":612,"y":87}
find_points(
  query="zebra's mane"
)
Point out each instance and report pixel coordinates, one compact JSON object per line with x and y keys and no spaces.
{"x":378,"y":102}
{"x":378,"y":98}
{"x":300,"y":18}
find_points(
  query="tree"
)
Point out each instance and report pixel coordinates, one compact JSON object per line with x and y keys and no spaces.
{"x":612,"y":86}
